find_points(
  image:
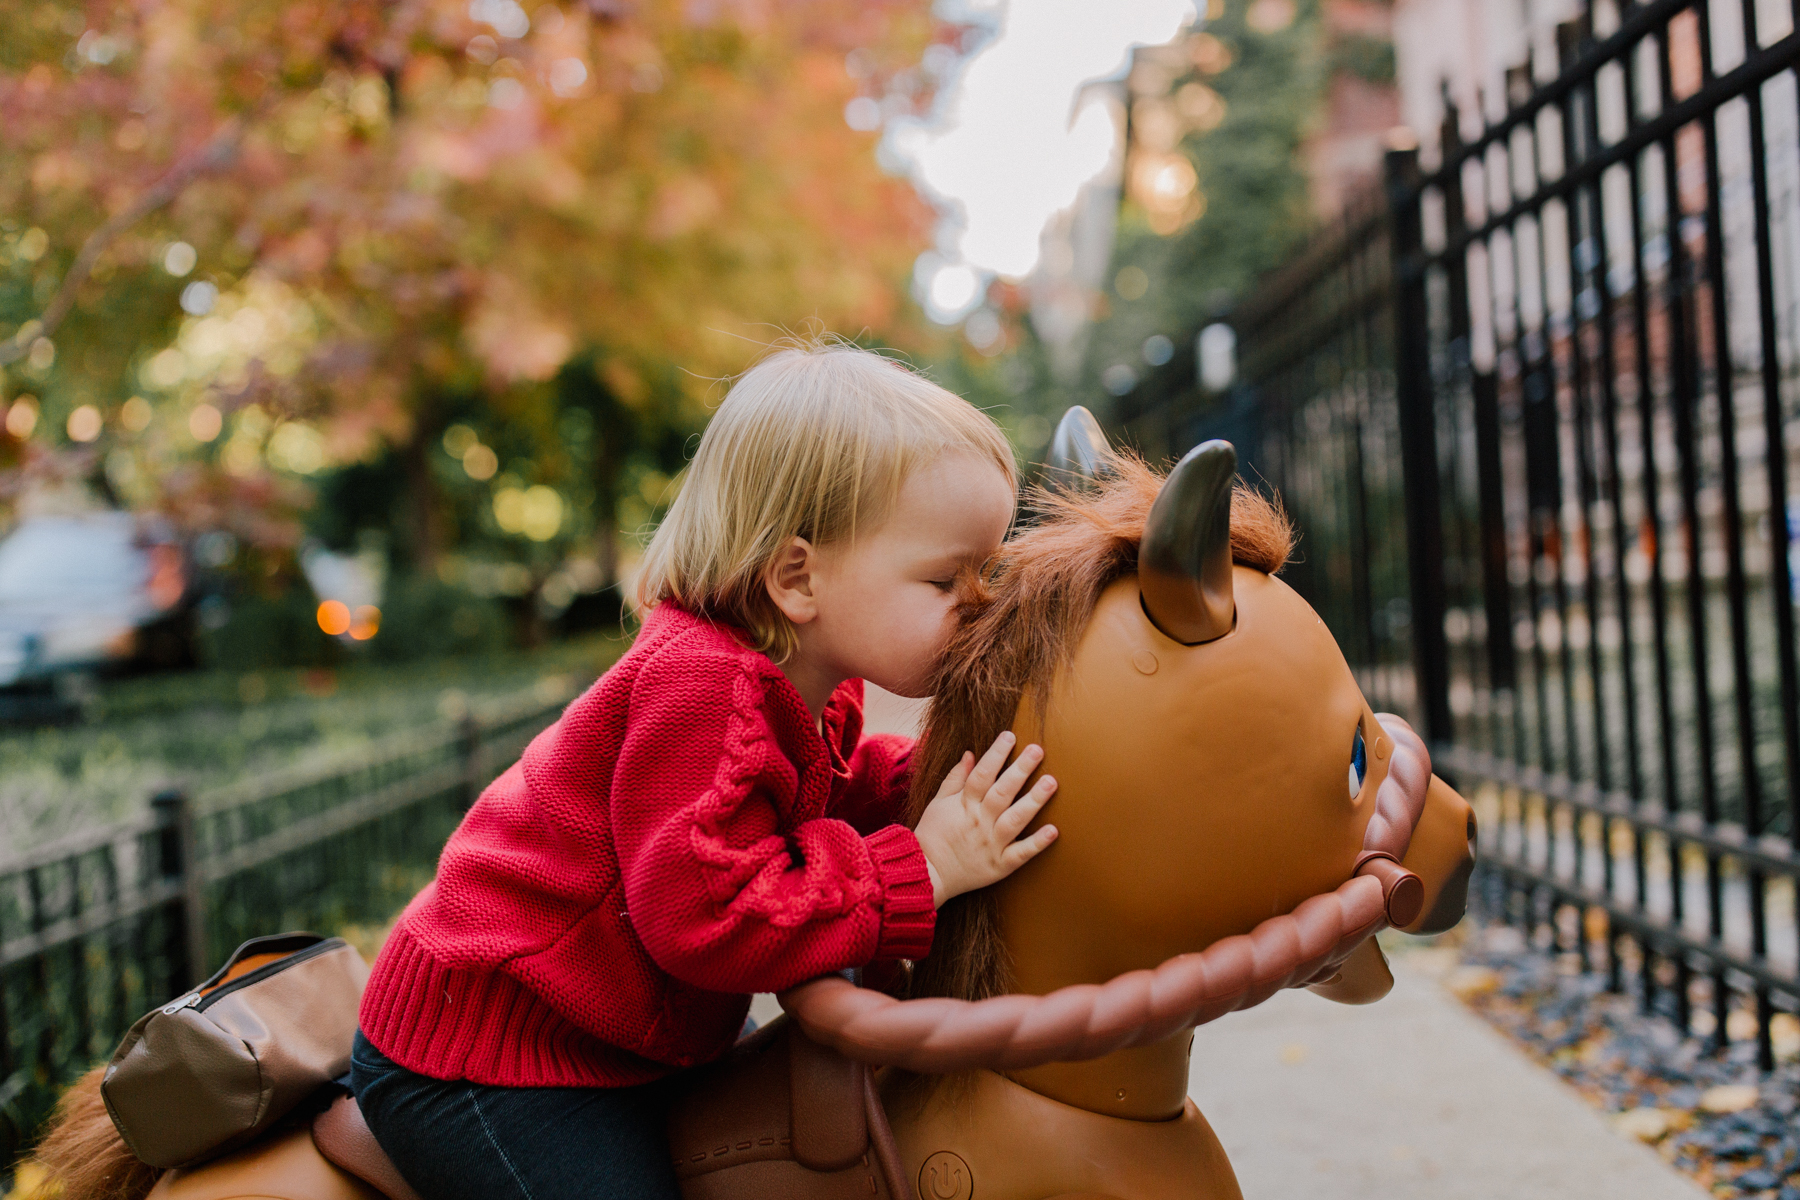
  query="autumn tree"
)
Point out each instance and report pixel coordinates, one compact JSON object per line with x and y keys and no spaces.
{"x":250,"y":242}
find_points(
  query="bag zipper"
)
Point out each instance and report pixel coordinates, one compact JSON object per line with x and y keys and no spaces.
{"x":263,"y":972}
{"x":200,"y":1000}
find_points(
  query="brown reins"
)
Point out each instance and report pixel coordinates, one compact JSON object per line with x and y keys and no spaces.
{"x":939,"y":1035}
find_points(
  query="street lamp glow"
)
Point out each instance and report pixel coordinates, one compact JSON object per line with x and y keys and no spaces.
{"x":334,"y":617}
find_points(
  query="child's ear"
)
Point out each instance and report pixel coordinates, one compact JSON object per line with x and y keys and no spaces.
{"x":789,"y":581}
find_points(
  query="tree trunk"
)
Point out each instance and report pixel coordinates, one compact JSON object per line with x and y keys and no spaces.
{"x":606,"y":504}
{"x":424,"y":513}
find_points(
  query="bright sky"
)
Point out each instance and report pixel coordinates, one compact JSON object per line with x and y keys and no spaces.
{"x":1006,"y":152}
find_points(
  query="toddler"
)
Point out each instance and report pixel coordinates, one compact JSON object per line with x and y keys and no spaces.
{"x":708,"y":820}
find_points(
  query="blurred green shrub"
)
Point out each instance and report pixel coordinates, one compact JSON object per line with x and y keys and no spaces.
{"x":423,"y":617}
{"x":258,"y":633}
{"x":213,"y":729}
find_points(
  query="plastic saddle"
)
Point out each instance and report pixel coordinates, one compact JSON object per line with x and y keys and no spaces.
{"x":779,"y":1118}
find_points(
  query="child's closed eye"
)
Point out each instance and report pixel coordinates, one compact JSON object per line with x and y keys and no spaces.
{"x":943,"y":585}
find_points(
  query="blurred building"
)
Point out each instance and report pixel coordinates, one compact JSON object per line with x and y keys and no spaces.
{"x":1361,"y":103}
{"x":1152,"y":110}
{"x":1165,"y":99}
{"x":1076,"y":248}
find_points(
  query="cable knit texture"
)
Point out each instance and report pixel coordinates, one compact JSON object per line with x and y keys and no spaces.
{"x":680,"y":838}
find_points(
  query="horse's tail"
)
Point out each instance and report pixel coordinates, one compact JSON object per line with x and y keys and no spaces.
{"x":81,"y":1153}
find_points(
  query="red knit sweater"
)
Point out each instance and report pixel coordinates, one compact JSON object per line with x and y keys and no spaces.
{"x":680,"y":838}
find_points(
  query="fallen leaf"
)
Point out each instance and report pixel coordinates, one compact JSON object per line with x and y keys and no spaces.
{"x":1644,"y":1124}
{"x":28,"y":1182}
{"x":1728,"y":1098}
{"x":1466,"y":983}
{"x":1784,"y":1031}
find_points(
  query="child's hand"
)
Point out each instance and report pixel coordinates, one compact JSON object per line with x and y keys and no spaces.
{"x":967,"y":831}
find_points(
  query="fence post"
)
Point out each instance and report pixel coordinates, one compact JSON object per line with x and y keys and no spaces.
{"x":468,"y":747}
{"x":179,"y":862}
{"x":1418,"y":443}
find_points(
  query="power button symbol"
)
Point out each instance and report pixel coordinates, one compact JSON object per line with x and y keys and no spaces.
{"x":945,"y":1176}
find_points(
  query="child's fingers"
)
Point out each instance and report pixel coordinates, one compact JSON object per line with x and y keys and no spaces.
{"x":1020,"y":813}
{"x":958,"y":776}
{"x":1026,"y":849}
{"x":1013,"y":778}
{"x":988,"y":769}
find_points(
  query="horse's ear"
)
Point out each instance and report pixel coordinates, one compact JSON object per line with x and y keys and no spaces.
{"x":1184,"y":562}
{"x":1078,"y":452}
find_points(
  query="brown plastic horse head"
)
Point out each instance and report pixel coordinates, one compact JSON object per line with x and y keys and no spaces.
{"x":1216,"y":761}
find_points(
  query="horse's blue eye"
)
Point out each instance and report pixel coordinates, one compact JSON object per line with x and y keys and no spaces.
{"x":1359,"y":763}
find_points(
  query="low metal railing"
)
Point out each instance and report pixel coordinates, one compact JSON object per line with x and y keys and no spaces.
{"x":97,"y":928}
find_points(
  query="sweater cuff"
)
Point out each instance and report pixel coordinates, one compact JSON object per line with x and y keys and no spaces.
{"x":907,"y":915}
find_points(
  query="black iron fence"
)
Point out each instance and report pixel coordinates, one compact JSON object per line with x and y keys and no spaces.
{"x":96,"y":929}
{"x":1536,"y":409}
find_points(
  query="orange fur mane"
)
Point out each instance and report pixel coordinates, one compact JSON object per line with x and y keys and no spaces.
{"x":81,"y":1153}
{"x":1019,"y":619}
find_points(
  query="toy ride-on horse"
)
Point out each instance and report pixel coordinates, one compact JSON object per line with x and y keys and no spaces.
{"x":1234,"y":820}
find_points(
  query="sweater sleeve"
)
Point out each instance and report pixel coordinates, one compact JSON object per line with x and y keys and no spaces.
{"x":880,"y":774}
{"x":723,"y":891}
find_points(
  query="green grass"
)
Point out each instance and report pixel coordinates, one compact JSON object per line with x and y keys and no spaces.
{"x":207,"y":730}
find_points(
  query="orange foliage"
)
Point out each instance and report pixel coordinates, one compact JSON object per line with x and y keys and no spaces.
{"x":450,"y":202}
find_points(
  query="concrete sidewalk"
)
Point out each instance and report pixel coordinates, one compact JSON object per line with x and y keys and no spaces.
{"x":1414,"y":1098}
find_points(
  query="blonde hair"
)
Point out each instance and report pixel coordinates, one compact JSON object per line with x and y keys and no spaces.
{"x":814,"y":441}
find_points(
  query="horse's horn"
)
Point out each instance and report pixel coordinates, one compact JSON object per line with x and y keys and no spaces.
{"x":1078,"y":451}
{"x":1184,"y":563}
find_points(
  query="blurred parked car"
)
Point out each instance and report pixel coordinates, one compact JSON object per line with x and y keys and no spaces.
{"x":84,"y":592}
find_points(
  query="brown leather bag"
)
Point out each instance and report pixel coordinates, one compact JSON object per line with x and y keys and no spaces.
{"x":211,"y":1070}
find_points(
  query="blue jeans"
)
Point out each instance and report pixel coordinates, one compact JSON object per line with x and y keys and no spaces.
{"x":456,"y":1139}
